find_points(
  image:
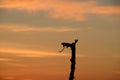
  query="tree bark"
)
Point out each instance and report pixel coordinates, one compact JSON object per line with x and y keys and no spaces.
{"x":73,"y":61}
{"x":73,"y":57}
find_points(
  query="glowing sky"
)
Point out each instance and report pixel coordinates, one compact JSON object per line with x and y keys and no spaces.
{"x":31,"y":32}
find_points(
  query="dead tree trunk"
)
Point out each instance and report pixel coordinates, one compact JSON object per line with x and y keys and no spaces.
{"x":73,"y":57}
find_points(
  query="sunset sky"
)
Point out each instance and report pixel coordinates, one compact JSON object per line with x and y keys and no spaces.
{"x":31,"y":32}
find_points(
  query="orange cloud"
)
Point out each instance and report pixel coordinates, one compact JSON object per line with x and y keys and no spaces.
{"x":13,"y":72}
{"x":12,"y":62}
{"x":33,"y":53}
{"x":63,"y":9}
{"x":117,"y":72}
{"x":9,"y":78}
{"x":105,"y":10}
{"x":29,"y":53}
{"x":6,"y":59}
{"x":55,"y":8}
{"x":116,"y":56}
{"x":23,"y":28}
{"x":16,"y":64}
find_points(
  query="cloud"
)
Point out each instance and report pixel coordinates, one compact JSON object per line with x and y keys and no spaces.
{"x":105,"y":10}
{"x":116,"y":56}
{"x":33,"y":53}
{"x":16,"y":64}
{"x":117,"y":72}
{"x":23,"y":28}
{"x":61,"y":9}
{"x":29,"y":53}
{"x":12,"y":62}
{"x":6,"y":59}
{"x":9,"y":78}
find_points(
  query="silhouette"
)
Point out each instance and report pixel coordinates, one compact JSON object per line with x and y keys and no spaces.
{"x":65,"y":45}
{"x":73,"y":57}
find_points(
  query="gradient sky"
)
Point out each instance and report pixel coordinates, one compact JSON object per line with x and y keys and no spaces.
{"x":31,"y":32}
